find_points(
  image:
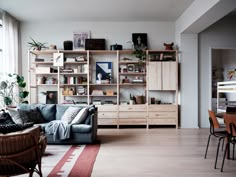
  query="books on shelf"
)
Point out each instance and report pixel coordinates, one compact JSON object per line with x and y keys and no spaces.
{"x":108,"y":102}
{"x":39,"y":59}
{"x":97,"y":93}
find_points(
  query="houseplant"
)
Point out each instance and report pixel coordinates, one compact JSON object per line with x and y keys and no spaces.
{"x":36,"y":45}
{"x":12,"y":89}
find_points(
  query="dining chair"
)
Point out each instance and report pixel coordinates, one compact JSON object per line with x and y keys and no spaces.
{"x":216,"y":131}
{"x":230,"y":121}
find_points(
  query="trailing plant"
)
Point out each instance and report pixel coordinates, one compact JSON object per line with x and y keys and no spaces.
{"x":36,"y":45}
{"x":139,"y":52}
{"x":12,"y":89}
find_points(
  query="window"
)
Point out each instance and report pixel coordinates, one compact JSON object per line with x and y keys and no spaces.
{"x":1,"y":39}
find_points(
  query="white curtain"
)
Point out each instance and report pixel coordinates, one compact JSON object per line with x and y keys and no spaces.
{"x":9,"y":63}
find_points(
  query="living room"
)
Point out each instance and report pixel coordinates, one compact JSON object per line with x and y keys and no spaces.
{"x":195,"y":27}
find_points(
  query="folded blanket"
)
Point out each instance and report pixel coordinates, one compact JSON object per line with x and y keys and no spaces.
{"x":59,"y":129}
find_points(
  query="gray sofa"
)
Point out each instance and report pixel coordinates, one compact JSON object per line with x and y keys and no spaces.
{"x":84,"y":133}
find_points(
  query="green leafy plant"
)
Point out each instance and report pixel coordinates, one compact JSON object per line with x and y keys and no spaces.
{"x":9,"y":85}
{"x":36,"y":45}
{"x":139,"y":52}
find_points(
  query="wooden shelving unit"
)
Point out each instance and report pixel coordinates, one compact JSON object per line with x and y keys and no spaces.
{"x":158,"y":78}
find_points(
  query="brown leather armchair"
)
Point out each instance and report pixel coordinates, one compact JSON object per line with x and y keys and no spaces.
{"x":21,"y":152}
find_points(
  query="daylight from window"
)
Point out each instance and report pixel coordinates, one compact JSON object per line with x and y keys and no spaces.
{"x":1,"y":40}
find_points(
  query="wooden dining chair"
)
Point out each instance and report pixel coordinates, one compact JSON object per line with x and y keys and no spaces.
{"x":230,"y":121}
{"x":215,"y":131}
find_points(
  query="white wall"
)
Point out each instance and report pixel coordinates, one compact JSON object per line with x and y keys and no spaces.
{"x":189,"y":81}
{"x":113,"y":32}
{"x":219,"y":35}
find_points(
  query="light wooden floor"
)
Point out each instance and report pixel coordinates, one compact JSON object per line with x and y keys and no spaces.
{"x":158,"y":153}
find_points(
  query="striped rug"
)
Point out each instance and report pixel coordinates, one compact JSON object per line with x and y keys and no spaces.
{"x":69,"y":161}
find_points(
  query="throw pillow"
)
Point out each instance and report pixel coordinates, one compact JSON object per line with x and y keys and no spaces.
{"x":32,"y":115}
{"x":81,"y":116}
{"x":24,"y":116}
{"x":70,"y":114}
{"x":5,"y":118}
{"x":15,"y":116}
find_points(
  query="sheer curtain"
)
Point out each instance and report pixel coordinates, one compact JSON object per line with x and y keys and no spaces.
{"x":10,"y":27}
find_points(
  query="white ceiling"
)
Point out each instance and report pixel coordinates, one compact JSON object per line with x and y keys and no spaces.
{"x":95,"y":10}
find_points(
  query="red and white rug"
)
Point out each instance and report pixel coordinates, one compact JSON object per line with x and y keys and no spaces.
{"x":69,"y":161}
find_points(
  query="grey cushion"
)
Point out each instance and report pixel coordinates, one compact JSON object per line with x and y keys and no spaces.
{"x":61,"y":108}
{"x":81,"y":116}
{"x":15,"y":115}
{"x":48,"y":111}
{"x":70,"y":114}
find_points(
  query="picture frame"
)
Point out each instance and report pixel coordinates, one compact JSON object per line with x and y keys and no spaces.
{"x":140,"y":40}
{"x":130,"y":67}
{"x":51,"y":97}
{"x":103,"y":71}
{"x":231,"y":74}
{"x":79,"y":38}
{"x":58,"y":59}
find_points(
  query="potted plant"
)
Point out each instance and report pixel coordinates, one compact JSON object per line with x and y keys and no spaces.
{"x":8,"y":86}
{"x":131,"y":99}
{"x":36,"y":45}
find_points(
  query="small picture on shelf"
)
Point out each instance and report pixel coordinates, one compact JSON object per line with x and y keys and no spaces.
{"x":58,"y":59}
{"x":51,"y":97}
{"x":130,"y":67}
{"x":103,"y":72}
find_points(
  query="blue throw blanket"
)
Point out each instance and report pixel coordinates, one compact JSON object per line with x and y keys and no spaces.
{"x":59,"y":129}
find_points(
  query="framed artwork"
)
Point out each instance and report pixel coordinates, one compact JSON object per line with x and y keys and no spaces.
{"x":79,"y":40}
{"x":103,"y":71}
{"x":231,"y":74}
{"x":130,"y":67}
{"x":140,"y":40}
{"x":51,"y":97}
{"x":58,"y":59}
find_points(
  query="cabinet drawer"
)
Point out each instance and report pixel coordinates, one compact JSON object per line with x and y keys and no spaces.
{"x":107,"y":121}
{"x":106,"y":115}
{"x":162,"y":115}
{"x":134,"y":108}
{"x":162,"y":108}
{"x":138,"y":115}
{"x":107,"y":108}
{"x":132,"y":121}
{"x":168,"y":121}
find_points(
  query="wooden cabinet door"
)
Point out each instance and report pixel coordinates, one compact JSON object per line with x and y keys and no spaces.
{"x":169,"y":74}
{"x":155,"y":76}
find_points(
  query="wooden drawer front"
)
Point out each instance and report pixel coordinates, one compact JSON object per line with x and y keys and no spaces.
{"x":162,"y":115}
{"x":162,"y":108}
{"x":132,"y":121}
{"x":107,"y":115}
{"x":168,"y":121}
{"x":138,"y":115}
{"x":109,"y":108}
{"x":134,"y":108}
{"x":107,"y":121}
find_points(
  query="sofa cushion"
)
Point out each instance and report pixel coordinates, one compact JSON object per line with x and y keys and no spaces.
{"x":81,"y":128}
{"x":61,"y":108}
{"x":70,"y":114}
{"x":24,"y":116}
{"x":81,"y":116}
{"x":15,"y":115}
{"x":48,"y":111}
